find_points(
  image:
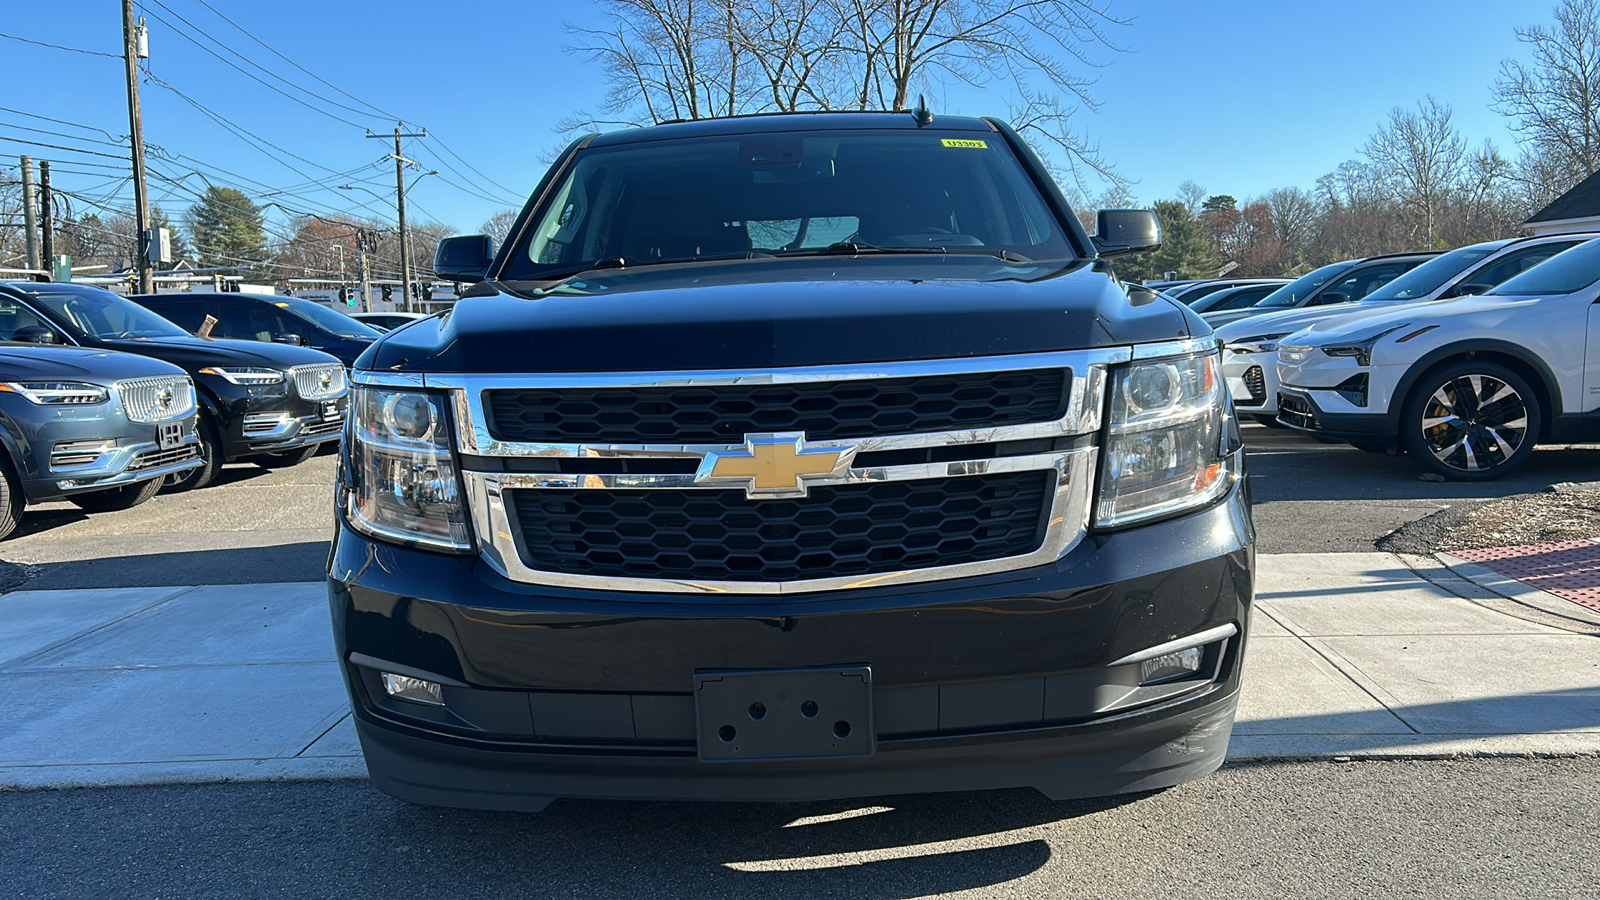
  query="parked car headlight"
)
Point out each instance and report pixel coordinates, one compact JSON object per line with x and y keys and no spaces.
{"x":1168,"y":439}
{"x":1261,"y":343}
{"x":402,"y":479}
{"x":1361,"y":348}
{"x":58,"y":393}
{"x":248,"y":376}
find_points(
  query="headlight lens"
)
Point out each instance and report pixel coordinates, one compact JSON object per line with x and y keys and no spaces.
{"x":248,"y":376}
{"x":1360,"y":349}
{"x":403,"y":482}
{"x":1167,"y":439}
{"x":1264,"y":343}
{"x":58,"y":393}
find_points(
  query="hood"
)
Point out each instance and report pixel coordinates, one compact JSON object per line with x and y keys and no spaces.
{"x":192,"y":353}
{"x":1345,"y":328}
{"x":788,"y":312}
{"x":29,"y":362}
{"x":1289,"y":321}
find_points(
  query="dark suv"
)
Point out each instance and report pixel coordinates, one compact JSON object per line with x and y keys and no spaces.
{"x":792,"y":457}
{"x":271,"y":403}
{"x":254,"y":317}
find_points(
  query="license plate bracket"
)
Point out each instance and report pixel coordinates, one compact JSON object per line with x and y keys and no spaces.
{"x":330,"y":410}
{"x":169,"y":435}
{"x":776,"y":714}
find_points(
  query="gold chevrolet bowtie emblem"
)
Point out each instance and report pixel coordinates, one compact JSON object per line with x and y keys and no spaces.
{"x":774,"y":465}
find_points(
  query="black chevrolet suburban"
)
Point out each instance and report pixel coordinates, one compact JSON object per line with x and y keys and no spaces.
{"x":793,"y":457}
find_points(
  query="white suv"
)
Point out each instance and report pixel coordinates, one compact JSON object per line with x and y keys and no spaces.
{"x":1466,"y":387}
{"x":1250,"y":346}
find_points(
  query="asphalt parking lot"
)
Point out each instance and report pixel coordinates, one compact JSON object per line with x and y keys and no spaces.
{"x":255,"y":525}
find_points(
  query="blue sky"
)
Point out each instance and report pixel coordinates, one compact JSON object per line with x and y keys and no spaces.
{"x":1240,"y":97}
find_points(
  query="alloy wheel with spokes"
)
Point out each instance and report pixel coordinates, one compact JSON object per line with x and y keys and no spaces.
{"x":1471,"y":421}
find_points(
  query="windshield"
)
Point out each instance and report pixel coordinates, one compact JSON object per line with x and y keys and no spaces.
{"x":327,"y":319}
{"x":1295,"y":292}
{"x":1431,"y":275}
{"x":777,"y":194}
{"x":1566,"y":272}
{"x":107,"y":316}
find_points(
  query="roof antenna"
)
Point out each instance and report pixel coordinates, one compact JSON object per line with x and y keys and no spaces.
{"x":922,"y":114}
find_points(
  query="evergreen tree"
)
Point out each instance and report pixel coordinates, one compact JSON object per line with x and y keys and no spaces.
{"x":1185,"y":248}
{"x":227,"y":229}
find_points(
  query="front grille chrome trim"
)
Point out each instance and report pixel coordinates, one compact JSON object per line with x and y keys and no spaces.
{"x":1084,"y":403}
{"x":499,"y":538}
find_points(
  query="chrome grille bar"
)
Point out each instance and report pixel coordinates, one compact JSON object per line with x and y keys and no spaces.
{"x":158,"y":399}
{"x":321,"y":381}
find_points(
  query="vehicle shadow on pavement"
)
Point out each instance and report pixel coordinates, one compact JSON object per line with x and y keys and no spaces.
{"x":271,"y":564}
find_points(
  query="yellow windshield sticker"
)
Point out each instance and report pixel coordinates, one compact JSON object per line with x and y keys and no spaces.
{"x":969,"y":145}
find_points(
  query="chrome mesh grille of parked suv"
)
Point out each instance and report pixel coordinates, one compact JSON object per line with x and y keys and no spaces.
{"x":823,"y":410}
{"x":322,"y":381}
{"x":158,"y":399}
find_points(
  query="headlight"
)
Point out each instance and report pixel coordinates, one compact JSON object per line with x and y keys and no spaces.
{"x":1360,"y":348}
{"x":1263,"y":343}
{"x":58,"y":393}
{"x":403,"y":482}
{"x":1168,"y":439}
{"x":248,"y":376}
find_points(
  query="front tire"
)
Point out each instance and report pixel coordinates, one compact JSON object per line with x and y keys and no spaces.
{"x":126,"y":497}
{"x":11,"y":499}
{"x":284,"y":459}
{"x":1470,"y":421}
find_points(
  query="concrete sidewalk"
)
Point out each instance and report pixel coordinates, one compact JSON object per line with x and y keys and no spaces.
{"x":1355,"y":654}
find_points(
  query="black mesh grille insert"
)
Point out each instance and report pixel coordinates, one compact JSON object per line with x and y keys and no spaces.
{"x":719,"y":414}
{"x":1293,"y":410}
{"x":719,"y":535}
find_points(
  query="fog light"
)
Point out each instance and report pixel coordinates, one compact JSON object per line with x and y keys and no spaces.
{"x":1167,"y":667}
{"x":404,"y":687}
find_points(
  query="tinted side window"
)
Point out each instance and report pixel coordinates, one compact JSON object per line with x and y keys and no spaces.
{"x":186,"y":313}
{"x":14,"y":316}
{"x":243,"y":321}
{"x":1513,"y":264}
{"x":1365,"y":280}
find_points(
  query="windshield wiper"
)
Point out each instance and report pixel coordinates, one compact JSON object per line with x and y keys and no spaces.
{"x":857,"y":248}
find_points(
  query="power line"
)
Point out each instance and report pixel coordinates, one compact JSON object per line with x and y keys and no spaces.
{"x":58,"y":147}
{"x":59,"y":47}
{"x":446,"y":148}
{"x":21,"y":112}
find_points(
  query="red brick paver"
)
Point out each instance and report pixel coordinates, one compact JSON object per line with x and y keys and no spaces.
{"x":1569,"y":569}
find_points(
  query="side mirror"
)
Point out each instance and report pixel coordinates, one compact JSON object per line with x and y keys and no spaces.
{"x":291,"y":339}
{"x":1119,"y":232}
{"x":34,"y":334}
{"x":464,"y":259}
{"x":1463,"y":290}
{"x":1331,"y":297}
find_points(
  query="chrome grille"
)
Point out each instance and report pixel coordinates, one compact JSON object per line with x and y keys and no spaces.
{"x":77,"y":454}
{"x":155,"y":459}
{"x":322,"y":381}
{"x":265,"y":423}
{"x":317,"y":429}
{"x":159,"y":399}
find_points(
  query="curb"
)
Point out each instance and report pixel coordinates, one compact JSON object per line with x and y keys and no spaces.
{"x":211,"y":771}
{"x":1516,"y":591}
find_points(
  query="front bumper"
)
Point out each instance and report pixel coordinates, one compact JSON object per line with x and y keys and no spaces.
{"x":985,"y":682}
{"x":1252,"y":381}
{"x":308,"y":423}
{"x":1303,"y":410}
{"x":122,"y":463}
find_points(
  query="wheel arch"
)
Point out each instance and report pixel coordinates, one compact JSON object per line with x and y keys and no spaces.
{"x":1516,"y":358}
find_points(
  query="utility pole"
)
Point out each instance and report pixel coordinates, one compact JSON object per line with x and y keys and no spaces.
{"x":47,"y":220}
{"x":141,"y":200}
{"x":400,"y":203}
{"x":362,"y":237}
{"x":30,"y":214}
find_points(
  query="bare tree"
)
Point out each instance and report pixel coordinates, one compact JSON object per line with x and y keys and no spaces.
{"x":1420,"y":156}
{"x":1192,"y":196}
{"x":693,"y":59}
{"x":1554,"y":101}
{"x":498,"y":226}
{"x":1294,"y":217}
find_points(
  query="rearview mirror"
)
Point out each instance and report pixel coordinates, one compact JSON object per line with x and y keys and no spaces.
{"x":34,"y":334}
{"x":1119,"y":232}
{"x":464,"y":259}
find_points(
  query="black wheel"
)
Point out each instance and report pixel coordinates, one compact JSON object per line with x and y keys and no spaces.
{"x":1470,"y":421}
{"x":126,"y":497}
{"x":285,"y":458}
{"x":211,"y":461}
{"x":1269,"y":421}
{"x":11,"y":499}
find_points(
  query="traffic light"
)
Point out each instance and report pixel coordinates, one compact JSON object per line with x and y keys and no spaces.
{"x":388,"y":293}
{"x":427,"y":293}
{"x":344,"y":297}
